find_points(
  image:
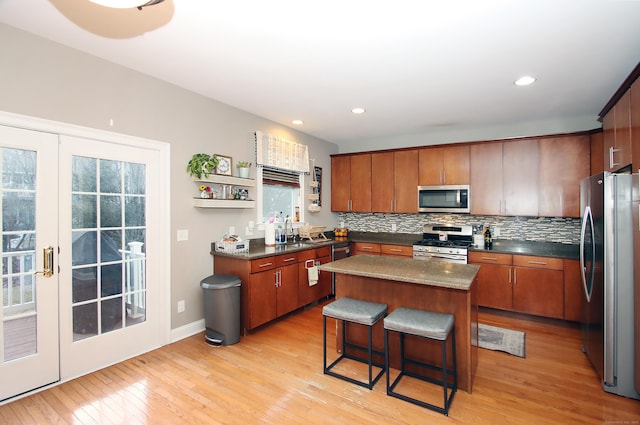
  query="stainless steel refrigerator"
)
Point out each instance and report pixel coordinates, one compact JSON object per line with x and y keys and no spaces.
{"x":606,"y":257}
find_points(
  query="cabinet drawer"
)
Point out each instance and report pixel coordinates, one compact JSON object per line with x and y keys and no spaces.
{"x":403,"y":250}
{"x":307,"y":254}
{"x":373,"y":248}
{"x":263,"y":264}
{"x":538,"y":262}
{"x":285,"y":260}
{"x":323,"y":251}
{"x":490,"y":258}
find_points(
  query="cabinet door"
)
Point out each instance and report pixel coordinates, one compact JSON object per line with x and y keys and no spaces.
{"x":572,"y":290}
{"x":287,"y":291}
{"x":396,"y":250}
{"x":340,"y":183}
{"x":564,"y":161}
{"x":262,"y":298}
{"x":486,"y":178}
{"x":608,"y":140}
{"x":382,"y":192}
{"x":597,"y":149}
{"x":538,"y":291}
{"x":405,"y":181}
{"x":494,"y":287}
{"x":366,"y":248}
{"x":520,"y":161}
{"x":622,"y":124}
{"x":430,"y":162}
{"x":361,"y":183}
{"x":456,"y":164}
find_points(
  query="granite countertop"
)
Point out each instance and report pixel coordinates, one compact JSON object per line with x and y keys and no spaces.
{"x":432,"y":273}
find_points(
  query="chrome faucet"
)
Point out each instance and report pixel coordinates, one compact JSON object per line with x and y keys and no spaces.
{"x":287,"y":220}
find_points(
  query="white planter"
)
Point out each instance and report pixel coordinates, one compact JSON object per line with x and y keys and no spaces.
{"x":243,"y":172}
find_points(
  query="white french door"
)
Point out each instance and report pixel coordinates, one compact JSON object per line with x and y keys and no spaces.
{"x":29,"y":225}
{"x":92,"y":211}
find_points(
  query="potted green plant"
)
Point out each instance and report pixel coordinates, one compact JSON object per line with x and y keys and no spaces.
{"x":243,"y":168}
{"x":202,"y":163}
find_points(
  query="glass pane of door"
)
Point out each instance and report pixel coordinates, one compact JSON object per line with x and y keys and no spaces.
{"x":108,"y":245}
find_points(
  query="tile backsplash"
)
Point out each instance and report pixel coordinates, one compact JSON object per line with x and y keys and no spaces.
{"x":543,"y":229}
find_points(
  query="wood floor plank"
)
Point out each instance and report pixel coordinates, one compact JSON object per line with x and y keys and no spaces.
{"x":274,"y":376}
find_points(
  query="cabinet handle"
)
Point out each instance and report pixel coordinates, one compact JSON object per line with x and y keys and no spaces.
{"x":278,"y":278}
{"x":612,"y":150}
{"x":509,"y":274}
{"x":265,"y":264}
{"x":306,"y":264}
{"x":515,"y":277}
{"x":544,"y":263}
{"x":395,"y":250}
{"x":489,"y":258}
{"x":366,"y":247}
{"x":286,"y":260}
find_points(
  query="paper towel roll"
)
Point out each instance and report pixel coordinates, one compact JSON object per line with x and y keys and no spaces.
{"x":270,"y":234}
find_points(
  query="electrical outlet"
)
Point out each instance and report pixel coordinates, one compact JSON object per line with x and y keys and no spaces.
{"x":496,"y":232}
{"x":182,"y":235}
{"x":181,"y":306}
{"x":393,"y":227}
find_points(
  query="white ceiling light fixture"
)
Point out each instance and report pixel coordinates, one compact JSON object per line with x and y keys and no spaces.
{"x":297,"y":122}
{"x":358,"y":110}
{"x":524,"y":81}
{"x":126,"y":4}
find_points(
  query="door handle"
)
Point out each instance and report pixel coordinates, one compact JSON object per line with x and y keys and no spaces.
{"x":47,"y":261}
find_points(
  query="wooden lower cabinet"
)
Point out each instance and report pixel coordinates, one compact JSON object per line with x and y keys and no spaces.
{"x":397,"y":250}
{"x":526,"y":284}
{"x":572,"y":290}
{"x":306,"y":293}
{"x":365,"y":248}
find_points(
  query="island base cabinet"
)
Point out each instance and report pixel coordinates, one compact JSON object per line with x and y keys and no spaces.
{"x":462,"y":304}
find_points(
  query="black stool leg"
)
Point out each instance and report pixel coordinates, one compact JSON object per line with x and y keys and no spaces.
{"x":445,"y":382}
{"x":386,"y":356}
{"x":324,"y":343}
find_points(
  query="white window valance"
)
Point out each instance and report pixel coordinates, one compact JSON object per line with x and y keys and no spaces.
{"x":276,"y":152}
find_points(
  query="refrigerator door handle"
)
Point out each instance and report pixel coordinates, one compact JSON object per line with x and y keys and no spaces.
{"x":587,"y":220}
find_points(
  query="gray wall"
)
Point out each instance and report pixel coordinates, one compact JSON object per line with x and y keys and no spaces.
{"x":39,"y":78}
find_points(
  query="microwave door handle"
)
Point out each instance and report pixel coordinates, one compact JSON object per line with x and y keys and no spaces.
{"x":458,"y":196}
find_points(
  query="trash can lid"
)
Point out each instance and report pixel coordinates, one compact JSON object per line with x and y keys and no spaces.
{"x":220,"y":281}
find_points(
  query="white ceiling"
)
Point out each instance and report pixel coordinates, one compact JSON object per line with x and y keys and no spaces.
{"x":416,"y":66}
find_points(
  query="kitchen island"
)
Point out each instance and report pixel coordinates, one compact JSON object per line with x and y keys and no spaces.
{"x":427,"y":285}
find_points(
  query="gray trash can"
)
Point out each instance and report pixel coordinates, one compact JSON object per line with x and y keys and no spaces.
{"x":221,"y":293}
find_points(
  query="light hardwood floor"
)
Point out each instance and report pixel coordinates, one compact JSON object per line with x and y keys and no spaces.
{"x":274,"y":376}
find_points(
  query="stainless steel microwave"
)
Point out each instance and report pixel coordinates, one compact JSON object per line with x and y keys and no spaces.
{"x":446,"y":198}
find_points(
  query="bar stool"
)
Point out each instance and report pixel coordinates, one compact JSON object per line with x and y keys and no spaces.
{"x":425,"y":324}
{"x":362,"y":313}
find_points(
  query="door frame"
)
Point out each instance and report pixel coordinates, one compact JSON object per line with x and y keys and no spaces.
{"x":164,"y":216}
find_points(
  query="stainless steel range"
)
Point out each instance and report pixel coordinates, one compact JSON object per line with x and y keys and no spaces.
{"x":444,"y":243}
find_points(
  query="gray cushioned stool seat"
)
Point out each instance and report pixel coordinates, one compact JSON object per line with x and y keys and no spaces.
{"x":356,"y":311}
{"x":421,"y":323}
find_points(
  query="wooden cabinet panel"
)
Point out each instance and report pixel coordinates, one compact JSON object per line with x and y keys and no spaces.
{"x":537,"y":262}
{"x":538,"y":291}
{"x":597,"y":149}
{"x":287,"y":289}
{"x":564,"y":161}
{"x":262,"y":298}
{"x":286,"y":259}
{"x":340,"y":183}
{"x":444,"y":165}
{"x":308,"y":294}
{"x":366,"y":248}
{"x":494,"y":286}
{"x":486,"y":178}
{"x":520,"y":161}
{"x":405,"y":181}
{"x":382,"y":190}
{"x":489,"y":258}
{"x":361,"y":183}
{"x":399,"y":250}
{"x":263,"y":264}
{"x":617,"y":135}
{"x":608,"y":140}
{"x":572,"y":290}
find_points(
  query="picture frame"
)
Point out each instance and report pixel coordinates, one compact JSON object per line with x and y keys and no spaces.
{"x":225,"y":165}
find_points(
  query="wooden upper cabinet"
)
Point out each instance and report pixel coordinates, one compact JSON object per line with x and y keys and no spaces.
{"x":486,"y":178}
{"x":617,"y":135}
{"x":361,"y":183}
{"x":444,"y":165}
{"x":520,"y":177}
{"x":405,"y":180}
{"x":564,"y":161}
{"x":351,"y":183}
{"x":340,"y":183}
{"x":597,"y":150}
{"x":382,"y":190}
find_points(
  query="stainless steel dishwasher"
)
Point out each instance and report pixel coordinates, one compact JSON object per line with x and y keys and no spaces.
{"x":339,"y":251}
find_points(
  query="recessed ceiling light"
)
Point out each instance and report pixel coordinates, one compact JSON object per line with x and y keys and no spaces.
{"x":524,"y":81}
{"x":297,"y":122}
{"x":358,"y":110}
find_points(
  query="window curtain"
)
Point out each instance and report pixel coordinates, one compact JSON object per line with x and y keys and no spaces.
{"x":280,"y":177}
{"x":276,"y":152}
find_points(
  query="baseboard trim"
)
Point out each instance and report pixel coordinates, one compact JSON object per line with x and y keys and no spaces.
{"x":187,"y":330}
